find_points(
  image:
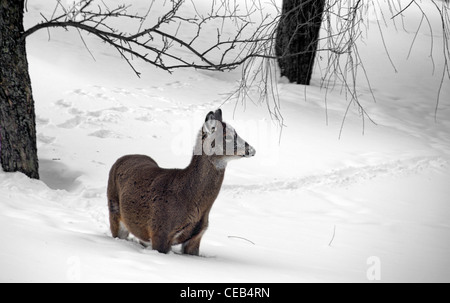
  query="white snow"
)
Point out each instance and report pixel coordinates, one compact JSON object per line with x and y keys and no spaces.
{"x":308,"y":208}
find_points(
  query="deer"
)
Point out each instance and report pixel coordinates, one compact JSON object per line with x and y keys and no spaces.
{"x":166,"y":207}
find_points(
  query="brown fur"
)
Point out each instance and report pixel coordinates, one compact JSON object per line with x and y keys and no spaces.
{"x":164,"y":206}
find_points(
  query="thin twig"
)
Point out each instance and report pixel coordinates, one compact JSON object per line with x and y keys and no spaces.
{"x":85,"y":44}
{"x":332,"y":238}
{"x":400,"y":12}
{"x":242,"y":239}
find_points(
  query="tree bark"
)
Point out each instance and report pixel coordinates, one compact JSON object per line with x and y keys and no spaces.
{"x":18,"y":150}
{"x":297,"y":38}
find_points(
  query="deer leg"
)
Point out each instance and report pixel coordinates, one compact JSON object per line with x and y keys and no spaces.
{"x":117,"y":228}
{"x":123,"y":231}
{"x":161,"y":243}
{"x":145,"y":243}
{"x":192,"y":246}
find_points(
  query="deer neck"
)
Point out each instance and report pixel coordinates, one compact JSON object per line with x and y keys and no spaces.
{"x":203,"y":167}
{"x":200,"y":159}
{"x":203,"y":178}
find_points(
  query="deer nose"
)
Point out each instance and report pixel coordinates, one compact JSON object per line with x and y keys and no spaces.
{"x":249,"y":150}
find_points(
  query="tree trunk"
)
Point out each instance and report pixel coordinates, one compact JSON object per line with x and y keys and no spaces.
{"x":18,"y":151}
{"x":297,"y":38}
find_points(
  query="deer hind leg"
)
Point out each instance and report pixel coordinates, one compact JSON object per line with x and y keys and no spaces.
{"x":118,"y":230}
{"x":145,"y":244}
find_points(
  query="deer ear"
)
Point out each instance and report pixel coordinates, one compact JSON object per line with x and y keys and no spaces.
{"x":218,"y":115}
{"x":210,"y":123}
{"x":210,"y":116}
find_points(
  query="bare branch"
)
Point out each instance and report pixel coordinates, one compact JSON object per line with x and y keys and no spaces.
{"x":84,"y":16}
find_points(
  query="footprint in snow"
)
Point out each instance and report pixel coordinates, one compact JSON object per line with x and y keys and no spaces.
{"x":178,"y":84}
{"x":63,"y":103}
{"x":80,"y":92}
{"x":42,"y":121}
{"x":45,"y":139}
{"x":104,"y":134}
{"x":71,"y":123}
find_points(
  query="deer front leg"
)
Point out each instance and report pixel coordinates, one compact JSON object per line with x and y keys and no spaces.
{"x":192,"y":246}
{"x":161,"y":243}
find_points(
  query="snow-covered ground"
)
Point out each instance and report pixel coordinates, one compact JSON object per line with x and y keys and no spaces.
{"x":308,"y":208}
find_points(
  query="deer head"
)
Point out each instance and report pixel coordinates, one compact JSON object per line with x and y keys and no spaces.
{"x":220,"y":141}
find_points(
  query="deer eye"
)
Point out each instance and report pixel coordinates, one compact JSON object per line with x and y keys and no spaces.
{"x":229,"y":135}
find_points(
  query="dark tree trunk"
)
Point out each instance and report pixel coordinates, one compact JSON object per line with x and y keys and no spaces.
{"x":297,"y":38}
{"x":18,"y":151}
